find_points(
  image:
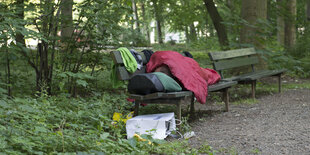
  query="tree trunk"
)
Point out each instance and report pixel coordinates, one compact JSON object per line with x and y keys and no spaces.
{"x":158,"y":18}
{"x":193,"y":33}
{"x":289,"y":28}
{"x":43,"y":80}
{"x":308,"y":10}
{"x":280,"y":22}
{"x":207,"y":27}
{"x":187,"y":34}
{"x":43,"y":70}
{"x":230,"y":4}
{"x":20,"y":13}
{"x":66,"y":19}
{"x":146,"y":24}
{"x":217,"y":22}
{"x":135,"y":15}
{"x":251,"y":11}
{"x":8,"y":72}
{"x":159,"y":32}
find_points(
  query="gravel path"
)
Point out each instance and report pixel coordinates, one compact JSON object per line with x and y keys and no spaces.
{"x":277,"y":124}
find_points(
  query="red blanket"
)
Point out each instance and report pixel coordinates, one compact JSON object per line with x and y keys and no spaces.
{"x":187,"y":71}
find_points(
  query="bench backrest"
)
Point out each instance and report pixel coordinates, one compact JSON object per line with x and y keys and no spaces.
{"x":233,"y":59}
{"x":122,"y":73}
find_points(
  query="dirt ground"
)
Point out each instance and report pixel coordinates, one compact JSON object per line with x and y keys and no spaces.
{"x":276,"y":124}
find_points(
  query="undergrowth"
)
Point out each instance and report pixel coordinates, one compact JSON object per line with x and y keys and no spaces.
{"x":57,"y":124}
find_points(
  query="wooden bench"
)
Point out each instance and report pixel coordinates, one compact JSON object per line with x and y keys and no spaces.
{"x":175,"y":98}
{"x":226,"y":60}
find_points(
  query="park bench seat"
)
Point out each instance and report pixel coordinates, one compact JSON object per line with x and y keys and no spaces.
{"x":232,"y":59}
{"x":175,"y":98}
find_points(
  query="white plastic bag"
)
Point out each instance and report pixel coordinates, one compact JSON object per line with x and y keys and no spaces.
{"x":157,"y":125}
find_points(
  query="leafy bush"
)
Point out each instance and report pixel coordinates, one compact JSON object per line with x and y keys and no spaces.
{"x":58,"y":124}
{"x":48,"y":125}
{"x":295,"y":66}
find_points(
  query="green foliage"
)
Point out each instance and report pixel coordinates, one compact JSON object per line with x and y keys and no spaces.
{"x":283,"y":59}
{"x":55,"y":124}
{"x":255,"y":151}
{"x":49,"y":125}
{"x":303,"y":85}
{"x":207,"y":149}
{"x":245,"y":101}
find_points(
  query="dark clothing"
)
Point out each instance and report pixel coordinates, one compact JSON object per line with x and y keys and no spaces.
{"x":187,"y":54}
{"x":148,"y":54}
{"x":138,"y":58}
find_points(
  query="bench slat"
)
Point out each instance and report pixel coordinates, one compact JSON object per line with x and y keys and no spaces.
{"x":266,"y":73}
{"x":256,"y":75}
{"x":123,"y":74}
{"x":236,"y":78}
{"x":214,"y":56}
{"x":220,"y":85}
{"x":237,"y":62}
{"x":161,"y":95}
{"x":117,"y":57}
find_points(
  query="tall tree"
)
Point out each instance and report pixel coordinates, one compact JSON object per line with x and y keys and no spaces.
{"x":66,"y":19}
{"x":145,"y":22}
{"x":193,"y":33}
{"x":308,"y":10}
{"x":217,"y":22}
{"x":289,"y":21}
{"x":280,"y":21}
{"x":251,"y":12}
{"x":158,"y":18}
{"x":21,"y":15}
{"x":135,"y":15}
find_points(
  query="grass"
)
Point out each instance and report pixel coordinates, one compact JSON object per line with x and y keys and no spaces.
{"x":297,"y":86}
{"x":231,"y":150}
{"x":255,"y":151}
{"x":245,"y":101}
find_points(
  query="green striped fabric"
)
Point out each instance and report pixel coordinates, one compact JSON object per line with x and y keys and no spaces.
{"x":169,"y":83}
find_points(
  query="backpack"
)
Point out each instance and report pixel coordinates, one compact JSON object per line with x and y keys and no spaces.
{"x":144,"y":83}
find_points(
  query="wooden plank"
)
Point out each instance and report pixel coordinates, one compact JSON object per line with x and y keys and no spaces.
{"x":221,"y":85}
{"x":117,"y":57}
{"x":170,"y":101}
{"x":177,"y":94}
{"x":266,"y":73}
{"x":237,"y":78}
{"x":231,"y":54}
{"x":163,"y":95}
{"x":123,"y":74}
{"x":233,"y":63}
{"x":256,"y":75}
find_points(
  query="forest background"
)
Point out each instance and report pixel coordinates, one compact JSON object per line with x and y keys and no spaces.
{"x":56,"y":96}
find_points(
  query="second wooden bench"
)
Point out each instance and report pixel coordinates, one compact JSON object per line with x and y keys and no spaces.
{"x":227,"y":60}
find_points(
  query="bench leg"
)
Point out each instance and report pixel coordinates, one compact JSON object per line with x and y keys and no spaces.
{"x":253,"y":84}
{"x":226,"y":99}
{"x":179,"y":114}
{"x":279,"y":80}
{"x":192,"y":110}
{"x":136,"y":112}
